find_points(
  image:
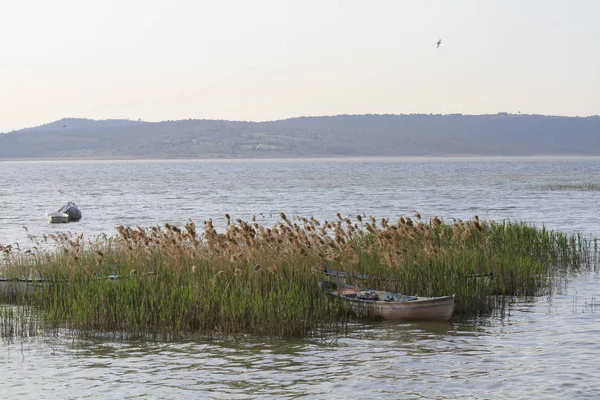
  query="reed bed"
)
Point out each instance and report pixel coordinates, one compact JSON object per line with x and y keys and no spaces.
{"x":264,"y":280}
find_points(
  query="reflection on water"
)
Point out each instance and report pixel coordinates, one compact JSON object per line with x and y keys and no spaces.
{"x":539,"y":348}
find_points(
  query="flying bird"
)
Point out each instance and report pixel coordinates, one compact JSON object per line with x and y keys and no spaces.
{"x":438,"y":43}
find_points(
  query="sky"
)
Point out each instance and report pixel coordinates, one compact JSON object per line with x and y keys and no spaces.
{"x":272,"y":59}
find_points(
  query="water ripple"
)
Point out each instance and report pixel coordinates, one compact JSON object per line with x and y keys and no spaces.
{"x":544,"y":348}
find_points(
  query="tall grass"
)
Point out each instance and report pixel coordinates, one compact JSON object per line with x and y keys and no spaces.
{"x":262,"y":280}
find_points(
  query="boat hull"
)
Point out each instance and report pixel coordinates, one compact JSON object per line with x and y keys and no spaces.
{"x":58,"y":218}
{"x":415,"y":309}
{"x":423,"y":309}
{"x":14,"y":288}
{"x":11,"y":288}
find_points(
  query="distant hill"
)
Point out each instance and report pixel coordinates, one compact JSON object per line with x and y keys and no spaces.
{"x":342,"y":135}
{"x":83,"y":123}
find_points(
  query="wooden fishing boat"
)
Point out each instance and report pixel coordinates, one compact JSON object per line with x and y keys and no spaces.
{"x":391,"y":306}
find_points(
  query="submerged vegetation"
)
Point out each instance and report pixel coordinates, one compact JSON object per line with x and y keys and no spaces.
{"x":264,"y":280}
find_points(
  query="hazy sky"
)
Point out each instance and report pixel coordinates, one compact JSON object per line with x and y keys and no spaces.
{"x":270,"y":59}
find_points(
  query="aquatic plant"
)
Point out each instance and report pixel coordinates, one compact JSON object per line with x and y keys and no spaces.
{"x":257,"y":279}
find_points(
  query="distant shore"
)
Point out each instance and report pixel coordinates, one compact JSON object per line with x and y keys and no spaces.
{"x":414,"y":135}
{"x":473,"y":157}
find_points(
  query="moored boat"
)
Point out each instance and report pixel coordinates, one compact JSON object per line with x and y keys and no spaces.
{"x":12,"y":288}
{"x":391,"y":306}
{"x":67,"y":213}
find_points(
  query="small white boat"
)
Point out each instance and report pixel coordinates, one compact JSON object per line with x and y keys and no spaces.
{"x":391,"y":306}
{"x":58,"y":218}
{"x":67,"y":213}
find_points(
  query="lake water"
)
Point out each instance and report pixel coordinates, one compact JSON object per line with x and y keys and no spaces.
{"x":543,"y":348}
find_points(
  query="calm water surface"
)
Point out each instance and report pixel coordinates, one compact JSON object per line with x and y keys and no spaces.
{"x":543,"y":348}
